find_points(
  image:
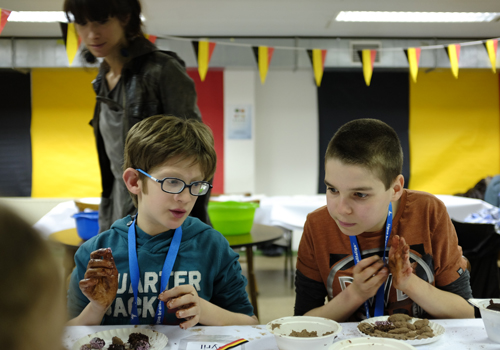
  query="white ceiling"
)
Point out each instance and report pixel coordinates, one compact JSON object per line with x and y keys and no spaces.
{"x":290,"y":18}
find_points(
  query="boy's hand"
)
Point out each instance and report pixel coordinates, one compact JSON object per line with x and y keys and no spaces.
{"x":368,"y":276}
{"x":186,"y":300}
{"x":100,"y":282}
{"x":399,"y":262}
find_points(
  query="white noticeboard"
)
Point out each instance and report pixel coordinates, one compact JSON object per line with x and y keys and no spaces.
{"x":240,"y":122}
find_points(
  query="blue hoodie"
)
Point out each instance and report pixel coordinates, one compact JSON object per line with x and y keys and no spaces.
{"x":205,"y":261}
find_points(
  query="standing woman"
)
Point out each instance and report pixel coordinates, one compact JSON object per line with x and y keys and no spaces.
{"x":135,"y":81}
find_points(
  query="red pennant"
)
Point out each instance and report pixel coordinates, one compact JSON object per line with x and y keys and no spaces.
{"x":4,"y":15}
{"x":151,"y":38}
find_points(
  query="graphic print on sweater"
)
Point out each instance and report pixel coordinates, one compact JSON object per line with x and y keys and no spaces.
{"x":395,"y":301}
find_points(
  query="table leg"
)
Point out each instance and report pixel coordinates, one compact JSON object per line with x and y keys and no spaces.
{"x":252,"y":281}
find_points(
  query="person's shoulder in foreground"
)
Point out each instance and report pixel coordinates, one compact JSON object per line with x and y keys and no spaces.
{"x":167,"y":162}
{"x":365,"y":191}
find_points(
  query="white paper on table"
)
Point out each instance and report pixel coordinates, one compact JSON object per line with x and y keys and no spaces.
{"x":59,"y":218}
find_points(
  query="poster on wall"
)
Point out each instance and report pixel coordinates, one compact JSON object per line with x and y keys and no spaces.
{"x":240,"y":122}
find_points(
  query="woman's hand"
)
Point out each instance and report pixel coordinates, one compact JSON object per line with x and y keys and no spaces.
{"x":186,"y":300}
{"x":368,"y":276}
{"x":399,"y":262}
{"x":100,"y":282}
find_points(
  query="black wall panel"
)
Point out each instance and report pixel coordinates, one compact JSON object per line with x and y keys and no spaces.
{"x":344,"y":96}
{"x":15,"y":136}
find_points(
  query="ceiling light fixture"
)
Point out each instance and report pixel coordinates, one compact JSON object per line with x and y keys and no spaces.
{"x":42,"y":16}
{"x":37,"y":16}
{"x":435,"y":17}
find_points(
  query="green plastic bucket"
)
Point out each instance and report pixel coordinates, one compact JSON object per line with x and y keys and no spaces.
{"x":232,"y":218}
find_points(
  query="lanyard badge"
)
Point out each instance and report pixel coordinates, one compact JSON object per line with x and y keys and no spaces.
{"x":356,"y":253}
{"x":165,"y":274}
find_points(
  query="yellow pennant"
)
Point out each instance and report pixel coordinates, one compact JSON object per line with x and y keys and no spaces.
{"x":203,"y":50}
{"x":317,"y":58}
{"x":71,"y":43}
{"x":413,"y":56}
{"x":491,"y":47}
{"x":367,"y":59}
{"x":71,"y":40}
{"x":263,"y":55}
{"x":454,"y":56}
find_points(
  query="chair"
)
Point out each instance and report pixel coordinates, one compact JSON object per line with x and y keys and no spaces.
{"x":286,"y":243}
{"x":481,"y":245}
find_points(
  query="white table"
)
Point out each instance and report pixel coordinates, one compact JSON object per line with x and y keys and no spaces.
{"x":460,"y":207}
{"x":289,"y":212}
{"x":463,"y":334}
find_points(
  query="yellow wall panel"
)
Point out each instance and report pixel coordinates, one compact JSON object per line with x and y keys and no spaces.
{"x":454,"y":130}
{"x":65,"y":160}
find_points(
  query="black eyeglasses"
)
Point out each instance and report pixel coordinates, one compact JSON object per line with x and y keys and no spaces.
{"x":174,"y":185}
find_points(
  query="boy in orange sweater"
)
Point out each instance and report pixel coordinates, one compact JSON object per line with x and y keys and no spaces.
{"x":368,"y":211}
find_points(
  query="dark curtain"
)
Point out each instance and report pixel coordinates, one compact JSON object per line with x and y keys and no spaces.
{"x":480,"y":244}
{"x":344,"y":96}
{"x":15,"y":137}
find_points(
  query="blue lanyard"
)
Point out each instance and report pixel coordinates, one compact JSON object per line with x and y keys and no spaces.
{"x":379,"y":298}
{"x":165,"y":274}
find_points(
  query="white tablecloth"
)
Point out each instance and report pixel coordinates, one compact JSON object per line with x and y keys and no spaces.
{"x":289,"y":212}
{"x":459,"y":335}
{"x":460,"y":207}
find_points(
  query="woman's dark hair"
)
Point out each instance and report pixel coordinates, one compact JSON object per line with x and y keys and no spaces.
{"x":81,"y":11}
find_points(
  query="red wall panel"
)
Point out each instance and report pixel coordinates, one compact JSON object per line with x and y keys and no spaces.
{"x":211,"y":103}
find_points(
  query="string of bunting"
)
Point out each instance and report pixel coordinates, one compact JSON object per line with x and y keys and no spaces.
{"x":264,"y":54}
{"x":204,"y":49}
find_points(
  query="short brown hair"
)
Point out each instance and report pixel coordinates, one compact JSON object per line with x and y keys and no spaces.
{"x":369,"y":143}
{"x":26,"y":262}
{"x":157,"y":139}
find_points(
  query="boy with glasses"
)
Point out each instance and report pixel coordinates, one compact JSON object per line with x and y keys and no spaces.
{"x":161,"y":266}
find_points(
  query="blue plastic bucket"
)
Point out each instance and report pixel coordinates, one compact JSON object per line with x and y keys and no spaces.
{"x":87,"y":224}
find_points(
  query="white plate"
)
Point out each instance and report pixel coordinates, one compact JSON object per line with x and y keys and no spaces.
{"x":437,"y":329}
{"x":371,"y":344}
{"x":157,"y":340}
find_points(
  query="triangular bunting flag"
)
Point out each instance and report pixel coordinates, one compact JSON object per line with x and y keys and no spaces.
{"x":263,"y":56}
{"x":71,"y":40}
{"x":367,"y":58}
{"x":317,"y":58}
{"x":4,"y":15}
{"x":151,"y":38}
{"x":491,"y":47}
{"x":203,"y":51}
{"x":413,"y":56}
{"x":453,"y":52}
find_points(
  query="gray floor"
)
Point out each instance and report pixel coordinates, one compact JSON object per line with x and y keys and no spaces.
{"x":276,"y":296}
